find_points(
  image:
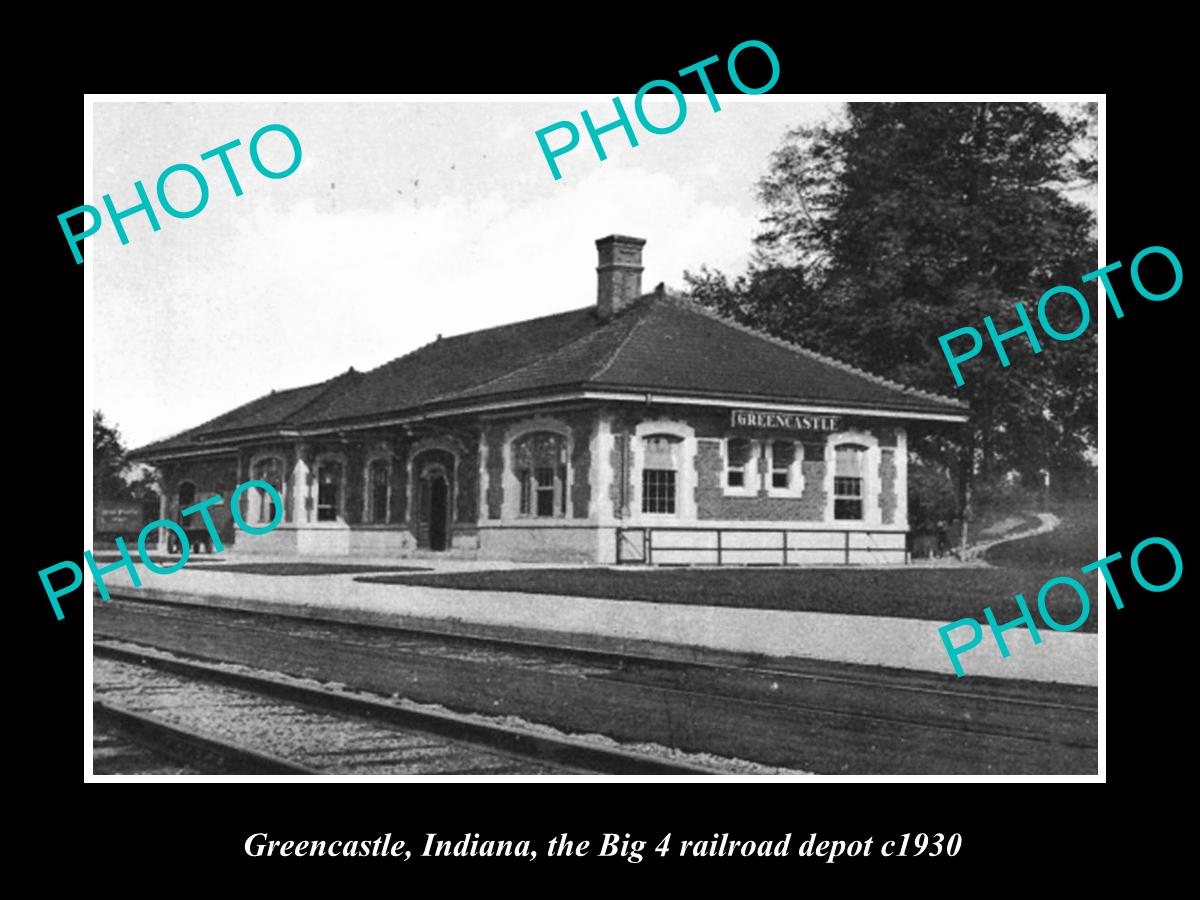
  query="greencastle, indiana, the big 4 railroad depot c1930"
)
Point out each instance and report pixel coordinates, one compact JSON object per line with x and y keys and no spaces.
{"x":690,"y":460}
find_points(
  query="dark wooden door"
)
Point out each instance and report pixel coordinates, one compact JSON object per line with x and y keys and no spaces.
{"x":438,"y":508}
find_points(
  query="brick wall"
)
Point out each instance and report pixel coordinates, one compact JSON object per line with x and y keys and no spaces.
{"x":495,"y":470}
{"x":467,"y":478}
{"x":711,"y":427}
{"x":813,"y":500}
{"x":582,"y":425}
{"x":400,"y":483}
{"x":711,"y":502}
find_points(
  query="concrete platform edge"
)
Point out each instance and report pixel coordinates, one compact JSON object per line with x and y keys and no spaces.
{"x":565,"y":640}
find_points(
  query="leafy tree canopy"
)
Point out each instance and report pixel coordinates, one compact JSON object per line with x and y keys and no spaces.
{"x":114,"y":478}
{"x":900,"y":222}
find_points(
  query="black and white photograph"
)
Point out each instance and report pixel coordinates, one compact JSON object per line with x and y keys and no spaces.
{"x":527,"y":437}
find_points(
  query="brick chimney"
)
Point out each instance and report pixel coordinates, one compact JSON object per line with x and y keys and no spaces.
{"x":620,"y":273}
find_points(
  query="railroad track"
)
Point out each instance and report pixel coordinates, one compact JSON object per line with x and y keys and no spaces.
{"x":115,"y":751}
{"x":815,"y":716}
{"x":146,"y":740}
{"x":216,"y":718}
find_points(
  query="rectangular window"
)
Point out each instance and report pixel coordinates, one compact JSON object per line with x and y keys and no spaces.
{"x":740,"y":457}
{"x":847,"y":498}
{"x":329,"y":478}
{"x":660,"y":462}
{"x":543,"y":491}
{"x":379,"y":491}
{"x":783,"y":455}
{"x":526,"y":478}
{"x":850,"y":462}
{"x":544,"y":487}
{"x":658,"y":491}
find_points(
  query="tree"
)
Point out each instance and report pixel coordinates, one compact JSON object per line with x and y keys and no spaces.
{"x":108,"y":460}
{"x":113,"y":476}
{"x":904,"y":221}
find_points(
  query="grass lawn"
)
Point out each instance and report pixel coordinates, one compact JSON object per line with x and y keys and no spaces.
{"x":1071,"y":545}
{"x":268,"y":568}
{"x":939,"y":595}
{"x":293,"y":568}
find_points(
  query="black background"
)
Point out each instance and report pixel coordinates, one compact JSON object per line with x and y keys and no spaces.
{"x":1006,"y":827}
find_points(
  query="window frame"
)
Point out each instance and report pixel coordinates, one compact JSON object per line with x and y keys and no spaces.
{"x":340,"y":505}
{"x":530,"y":488}
{"x":752,"y":474}
{"x":671,"y":499}
{"x":842,"y":498}
{"x":862,"y":483}
{"x":547,"y":485}
{"x":795,"y":486}
{"x":677,"y":444}
{"x":687,"y":474}
{"x":370,"y":513}
{"x":871,"y":487}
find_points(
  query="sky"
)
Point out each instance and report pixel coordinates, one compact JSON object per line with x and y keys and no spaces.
{"x":404,"y":220}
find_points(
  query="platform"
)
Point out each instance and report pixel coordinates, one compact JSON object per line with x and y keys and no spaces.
{"x":626,"y":626}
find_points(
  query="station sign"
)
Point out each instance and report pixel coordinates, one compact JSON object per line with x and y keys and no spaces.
{"x":783,"y":421}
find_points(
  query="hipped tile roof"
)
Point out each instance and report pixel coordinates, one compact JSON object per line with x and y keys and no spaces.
{"x":660,"y":343}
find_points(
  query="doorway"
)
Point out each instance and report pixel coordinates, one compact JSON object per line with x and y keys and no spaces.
{"x":434,"y":471}
{"x":439,"y":493}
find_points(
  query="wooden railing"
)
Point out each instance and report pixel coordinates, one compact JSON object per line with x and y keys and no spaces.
{"x":637,"y":545}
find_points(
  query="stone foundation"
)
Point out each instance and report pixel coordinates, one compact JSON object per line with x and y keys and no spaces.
{"x":568,"y":545}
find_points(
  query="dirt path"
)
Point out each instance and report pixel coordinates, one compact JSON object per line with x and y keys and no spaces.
{"x":1048,"y":522}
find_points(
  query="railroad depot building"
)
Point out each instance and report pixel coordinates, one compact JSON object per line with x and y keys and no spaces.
{"x":642,"y":428}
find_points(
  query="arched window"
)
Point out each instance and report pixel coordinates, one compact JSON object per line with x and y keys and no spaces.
{"x":660,"y":468}
{"x":379,"y":485}
{"x":850,"y":463}
{"x":540,"y":462}
{"x":329,"y":490}
{"x":260,"y":507}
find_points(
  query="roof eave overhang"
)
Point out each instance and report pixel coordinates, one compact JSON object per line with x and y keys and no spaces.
{"x":686,"y":399}
{"x":626,"y":395}
{"x":634,"y":395}
{"x":168,"y":453}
